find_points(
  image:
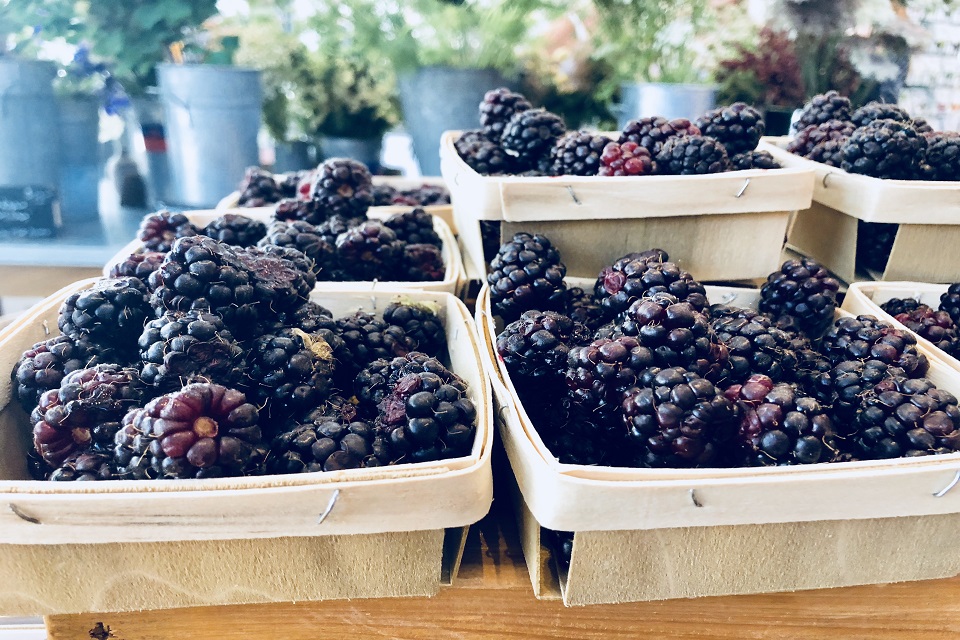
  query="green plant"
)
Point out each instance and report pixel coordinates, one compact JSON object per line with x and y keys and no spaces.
{"x":767,"y":74}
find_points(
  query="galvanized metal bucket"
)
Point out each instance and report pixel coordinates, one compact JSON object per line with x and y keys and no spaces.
{"x":212,"y":119}
{"x":29,"y":135}
{"x":665,"y":99}
{"x":80,"y":166}
{"x":293,"y":156}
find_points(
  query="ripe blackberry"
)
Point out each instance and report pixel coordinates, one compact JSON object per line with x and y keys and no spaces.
{"x":384,"y":195}
{"x":935,"y":326}
{"x":738,"y":127}
{"x":678,"y":335}
{"x":425,"y":418}
{"x":376,"y":381}
{"x":573,"y":434}
{"x":755,"y":346}
{"x":874,"y":243}
{"x":295,"y":209}
{"x":626,"y":159}
{"x":111,"y":312}
{"x":922,"y":125}
{"x":598,"y":374}
{"x":529,"y":135}
{"x":535,"y":349}
{"x":343,"y":186}
{"x":306,"y":238}
{"x":884,"y":149}
{"x":236,"y":229}
{"x":282,"y":278}
{"x":692,"y":155}
{"x":896,"y":306}
{"x":496,"y":109}
{"x":85,"y":411}
{"x":943,"y":155}
{"x":822,"y":142}
{"x":426,"y":195}
{"x":370,"y":251}
{"x":322,"y":443}
{"x":577,"y":153}
{"x":640,"y":274}
{"x":526,"y":274}
{"x":288,"y":184}
{"x":906,"y":417}
{"x":490,"y":238}
{"x":137,"y":265}
{"x":484,"y":155}
{"x":873,"y":111}
{"x":779,"y":425}
{"x":158,"y":231}
{"x":583,"y":308}
{"x":203,"y":274}
{"x":421,"y":324}
{"x":202,"y":431}
{"x":652,"y":132}
{"x":754,"y":160}
{"x":950,"y":302}
{"x":804,"y":290}
{"x":309,"y":317}
{"x":866,"y":338}
{"x":258,"y":188}
{"x":180,"y":346}
{"x":85,"y":466}
{"x":846,"y":384}
{"x":675,"y":419}
{"x":290,"y":372}
{"x":423,"y":263}
{"x":823,"y":108}
{"x":367,"y":339}
{"x":43,"y":366}
{"x":413,"y":227}
{"x":813,"y":374}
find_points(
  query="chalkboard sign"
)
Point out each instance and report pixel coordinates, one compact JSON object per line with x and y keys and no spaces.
{"x":28,"y":212}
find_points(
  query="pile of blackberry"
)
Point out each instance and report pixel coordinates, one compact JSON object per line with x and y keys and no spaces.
{"x":425,"y":195}
{"x":645,"y":372}
{"x":219,"y":365}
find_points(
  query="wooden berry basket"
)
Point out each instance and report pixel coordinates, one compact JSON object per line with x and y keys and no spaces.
{"x":928,"y":214}
{"x":231,"y":203}
{"x":654,"y":534}
{"x":452,"y":261}
{"x":729,"y":225}
{"x":128,"y":545}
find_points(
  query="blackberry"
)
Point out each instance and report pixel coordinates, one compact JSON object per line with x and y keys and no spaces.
{"x":943,"y":155}
{"x":573,"y":434}
{"x":137,"y":265}
{"x":754,"y":160}
{"x":295,"y":209}
{"x":577,"y":153}
{"x":370,"y":251}
{"x":496,"y":109}
{"x":823,"y":108}
{"x":413,"y":227}
{"x":288,"y":184}
{"x":421,"y":324}
{"x":823,"y":142}
{"x":321,"y":443}
{"x":180,"y":346}
{"x":803,"y":290}
{"x":674,"y":418}
{"x":484,"y":155}
{"x":309,"y":317}
{"x":626,"y":159}
{"x":526,"y":274}
{"x":738,"y":127}
{"x":158,"y":231}
{"x":874,"y":243}
{"x":640,"y":274}
{"x":677,"y":334}
{"x":236,"y":229}
{"x":529,"y":135}
{"x":425,"y":418}
{"x":935,"y":326}
{"x":426,"y":195}
{"x":202,"y":274}
{"x":884,"y":149}
{"x":692,"y":155}
{"x":111,"y":312}
{"x":652,"y":132}
{"x":922,"y":126}
{"x":335,"y":226}
{"x":202,"y":431}
{"x":85,"y":411}
{"x":779,"y":425}
{"x":43,"y":366}
{"x":598,"y":374}
{"x":846,"y":385}
{"x":896,"y":306}
{"x":258,"y":188}
{"x":583,"y":308}
{"x":490,"y":238}
{"x":755,"y":346}
{"x":343,"y":186}
{"x":367,"y":339}
{"x":950,"y":302}
{"x":873,"y":111}
{"x":84,"y":466}
{"x":307,"y":239}
{"x":375,"y":382}
{"x":384,"y":195}
{"x":290,"y":371}
{"x":535,"y":349}
{"x":906,"y":417}
{"x":866,"y":338}
{"x":423,"y":263}
{"x":282,"y":278}
{"x":813,"y":374}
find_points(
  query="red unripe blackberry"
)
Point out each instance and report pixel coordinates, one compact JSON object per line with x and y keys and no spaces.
{"x":496,"y":109}
{"x":738,"y":127}
{"x":803,"y":290}
{"x":526,"y":274}
{"x":158,"y":231}
{"x":342,"y":186}
{"x":626,"y":159}
{"x":866,"y":338}
{"x":577,"y":153}
{"x":639,"y":274}
{"x":652,"y":132}
{"x":137,"y":265}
